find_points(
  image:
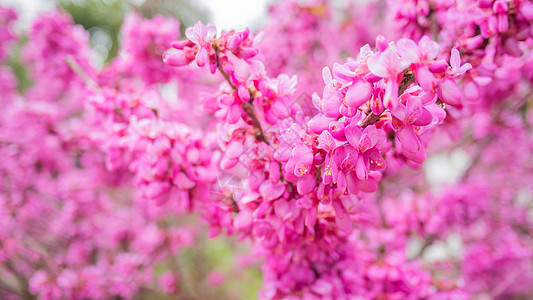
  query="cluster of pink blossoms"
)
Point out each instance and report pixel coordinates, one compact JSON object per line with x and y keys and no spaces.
{"x":307,"y":175}
{"x":334,"y":192}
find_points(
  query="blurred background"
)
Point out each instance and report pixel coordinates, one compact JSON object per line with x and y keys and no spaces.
{"x":103,"y":18}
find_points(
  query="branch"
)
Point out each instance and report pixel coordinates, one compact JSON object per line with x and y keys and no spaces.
{"x":73,"y":64}
{"x":21,"y":280}
{"x":427,"y":242}
{"x":249,"y":109}
{"x":370,"y":119}
{"x":247,"y":106}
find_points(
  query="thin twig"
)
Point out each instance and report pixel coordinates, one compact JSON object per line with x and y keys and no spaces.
{"x":247,"y":106}
{"x":73,"y":64}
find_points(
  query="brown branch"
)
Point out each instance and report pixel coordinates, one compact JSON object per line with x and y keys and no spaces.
{"x":247,"y":106}
{"x":249,"y":109}
{"x":427,"y":242}
{"x":370,"y":119}
{"x":407,"y":79}
{"x":21,"y":280}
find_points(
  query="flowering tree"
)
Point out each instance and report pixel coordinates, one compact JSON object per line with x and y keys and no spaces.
{"x":108,"y":174}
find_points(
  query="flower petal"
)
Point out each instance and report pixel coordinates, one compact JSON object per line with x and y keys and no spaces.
{"x":376,"y":161}
{"x":358,"y":93}
{"x":306,"y":184}
{"x":408,"y":138}
{"x":353,"y":134}
{"x":408,"y":50}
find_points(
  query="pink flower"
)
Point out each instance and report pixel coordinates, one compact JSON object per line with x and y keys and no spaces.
{"x":455,"y":62}
{"x":201,"y":35}
{"x":367,"y":142}
{"x":423,"y":53}
{"x":331,"y":169}
{"x":390,"y":66}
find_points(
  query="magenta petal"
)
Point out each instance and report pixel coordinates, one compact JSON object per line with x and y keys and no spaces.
{"x":391,"y":94}
{"x":358,"y":93}
{"x":321,"y":287}
{"x":426,"y":79}
{"x":271,"y":191}
{"x":438,"y":66}
{"x":200,"y":31}
{"x":201,"y":57}
{"x":368,"y":186}
{"x":249,"y":53}
{"x":177,"y":59}
{"x":455,"y":59}
{"x":353,"y":134}
{"x":331,"y":105}
{"x":424,"y":118}
{"x":243,"y":219}
{"x":228,"y":163}
{"x":342,"y":72}
{"x":326,"y":142}
{"x":466,"y":67}
{"x":310,"y":219}
{"x":418,"y":156}
{"x":365,"y":143}
{"x":450,"y":92}
{"x":234,"y":149}
{"x":376,"y":161}
{"x":427,"y":98}
{"x":408,"y":138}
{"x":306,"y":184}
{"x":351,"y":183}
{"x":376,"y":66}
{"x":234,"y":42}
{"x":400,"y":112}
{"x":319,"y":123}
{"x":243,"y":93}
{"x":331,"y":171}
{"x":283,"y":152}
{"x":234,"y":114}
{"x":290,"y":165}
{"x":302,"y":154}
{"x":377,"y":136}
{"x":437,"y":112}
{"x":428,"y":48}
{"x":408,"y":50}
{"x":349,"y":203}
{"x":341,"y":182}
{"x":360,"y":168}
{"x":348,"y":111}
{"x":281,"y":208}
{"x":226,"y":99}
{"x":179,"y":44}
{"x":336,"y":129}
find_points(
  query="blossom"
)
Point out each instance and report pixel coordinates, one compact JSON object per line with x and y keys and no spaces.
{"x":201,"y":35}
{"x":388,"y":65}
{"x":367,"y":142}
